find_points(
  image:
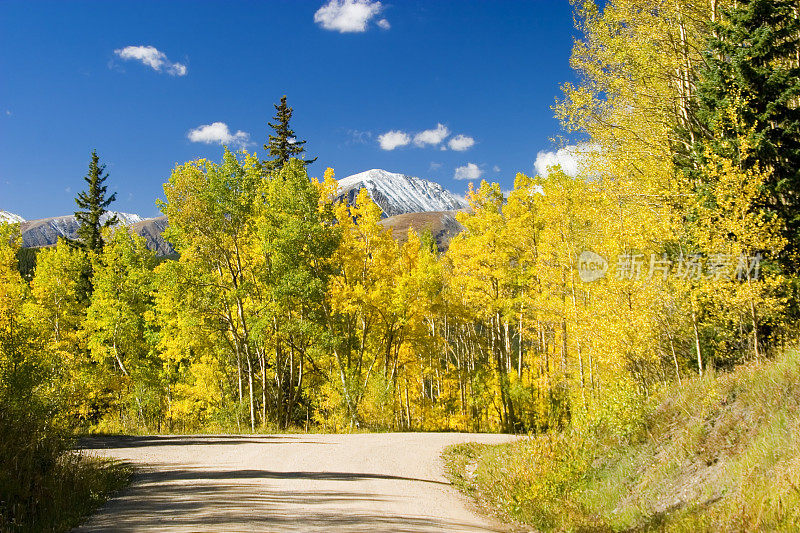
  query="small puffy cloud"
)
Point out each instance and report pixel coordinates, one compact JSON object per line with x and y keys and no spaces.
{"x":177,"y":69}
{"x":153,"y":58}
{"x":572,"y":159}
{"x":459,"y":143}
{"x":392,"y":139}
{"x":470,"y":171}
{"x":434,"y":136}
{"x":495,"y":169}
{"x":349,"y":16}
{"x":217,"y":133}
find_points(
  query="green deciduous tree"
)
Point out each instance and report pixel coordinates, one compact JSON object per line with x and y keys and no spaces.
{"x":294,"y":239}
{"x":210,"y":209}
{"x":118,"y":334}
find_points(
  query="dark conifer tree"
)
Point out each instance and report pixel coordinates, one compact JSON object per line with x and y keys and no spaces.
{"x":92,"y":203}
{"x":752,"y":66}
{"x":283,"y":145}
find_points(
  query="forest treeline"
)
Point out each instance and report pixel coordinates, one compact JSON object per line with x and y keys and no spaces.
{"x":568,"y":300}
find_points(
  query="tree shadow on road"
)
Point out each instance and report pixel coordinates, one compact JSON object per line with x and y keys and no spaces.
{"x":154,"y":502}
{"x":165,"y":474}
{"x":106,"y":442}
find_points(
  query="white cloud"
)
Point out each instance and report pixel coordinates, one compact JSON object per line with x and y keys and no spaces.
{"x":217,"y":133}
{"x":548,"y":159}
{"x":153,"y":58}
{"x":572,"y":159}
{"x":434,"y":166}
{"x":495,"y":169}
{"x":470,"y":171}
{"x":459,"y":143}
{"x":177,"y":69}
{"x":358,"y":137}
{"x":349,"y":16}
{"x":392,"y":139}
{"x":434,"y":136}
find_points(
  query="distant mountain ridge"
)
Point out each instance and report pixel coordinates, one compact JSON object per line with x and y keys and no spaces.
{"x":406,"y":202}
{"x":46,"y":231}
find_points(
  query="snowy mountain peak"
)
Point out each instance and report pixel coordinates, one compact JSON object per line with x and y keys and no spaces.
{"x":397,"y":193}
{"x":10,"y":218}
{"x":126,"y":219}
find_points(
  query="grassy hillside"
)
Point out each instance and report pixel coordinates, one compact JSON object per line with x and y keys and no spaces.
{"x":720,"y":453}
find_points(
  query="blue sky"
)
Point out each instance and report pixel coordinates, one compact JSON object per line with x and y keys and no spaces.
{"x":135,"y":79}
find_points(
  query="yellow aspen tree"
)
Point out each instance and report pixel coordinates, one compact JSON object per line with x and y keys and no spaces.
{"x":359,"y":294}
{"x":210,"y":211}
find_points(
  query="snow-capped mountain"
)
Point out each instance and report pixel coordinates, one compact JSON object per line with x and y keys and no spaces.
{"x":10,"y":218}
{"x":397,"y":193}
{"x":46,"y":231}
{"x":126,"y":219}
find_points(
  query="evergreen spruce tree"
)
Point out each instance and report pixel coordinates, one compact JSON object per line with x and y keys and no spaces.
{"x":92,"y":204}
{"x":752,"y":67}
{"x":283,"y":145}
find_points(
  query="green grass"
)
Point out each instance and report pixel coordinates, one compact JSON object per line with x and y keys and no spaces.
{"x":721,"y":453}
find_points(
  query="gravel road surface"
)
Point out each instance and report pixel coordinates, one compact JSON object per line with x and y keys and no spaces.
{"x":364,"y":482}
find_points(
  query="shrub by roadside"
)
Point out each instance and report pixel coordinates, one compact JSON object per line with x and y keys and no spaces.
{"x":44,"y":486}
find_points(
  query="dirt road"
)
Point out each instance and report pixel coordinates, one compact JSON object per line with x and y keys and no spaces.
{"x":366,"y":482}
